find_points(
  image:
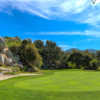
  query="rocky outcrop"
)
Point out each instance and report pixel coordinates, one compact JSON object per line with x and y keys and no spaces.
{"x":5,"y":54}
{"x":5,"y":60}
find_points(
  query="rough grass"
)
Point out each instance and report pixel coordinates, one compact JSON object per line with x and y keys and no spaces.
{"x":53,"y":85}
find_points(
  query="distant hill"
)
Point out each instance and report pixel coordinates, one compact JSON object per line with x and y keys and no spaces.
{"x":73,"y":49}
{"x":92,"y":50}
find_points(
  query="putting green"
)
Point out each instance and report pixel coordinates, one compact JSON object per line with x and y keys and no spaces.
{"x":53,"y":85}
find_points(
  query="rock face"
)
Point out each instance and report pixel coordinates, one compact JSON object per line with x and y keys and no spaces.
{"x":5,"y":54}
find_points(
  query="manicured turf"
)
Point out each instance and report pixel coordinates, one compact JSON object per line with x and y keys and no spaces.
{"x":53,"y":85}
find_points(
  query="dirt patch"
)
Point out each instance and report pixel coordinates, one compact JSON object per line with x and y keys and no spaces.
{"x":5,"y":77}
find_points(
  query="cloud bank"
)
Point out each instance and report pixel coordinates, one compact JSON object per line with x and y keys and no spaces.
{"x":82,"y":11}
{"x":92,"y":33}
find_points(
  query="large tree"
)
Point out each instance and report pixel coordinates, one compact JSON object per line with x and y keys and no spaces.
{"x":82,"y":59}
{"x":29,"y":56}
{"x":50,"y":53}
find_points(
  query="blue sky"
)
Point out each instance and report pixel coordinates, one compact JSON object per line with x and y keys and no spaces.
{"x":69,"y":23}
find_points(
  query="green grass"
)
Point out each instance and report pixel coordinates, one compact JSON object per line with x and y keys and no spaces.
{"x":53,"y":85}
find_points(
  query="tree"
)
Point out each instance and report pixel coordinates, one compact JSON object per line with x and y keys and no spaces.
{"x":75,"y":58}
{"x":83,"y":60}
{"x":93,"y":64}
{"x":29,"y":56}
{"x":39,"y":44}
{"x":51,"y":54}
{"x":98,"y":55}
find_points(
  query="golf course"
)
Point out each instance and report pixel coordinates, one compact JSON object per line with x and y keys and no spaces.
{"x":53,"y":85}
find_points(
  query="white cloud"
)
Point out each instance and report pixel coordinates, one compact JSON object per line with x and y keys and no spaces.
{"x":95,"y":33}
{"x":60,"y":33}
{"x":92,"y":33}
{"x":76,"y":10}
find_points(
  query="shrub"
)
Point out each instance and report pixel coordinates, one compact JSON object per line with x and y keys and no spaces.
{"x":15,"y":69}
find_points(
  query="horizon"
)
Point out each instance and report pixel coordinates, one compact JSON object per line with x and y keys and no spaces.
{"x":69,"y":26}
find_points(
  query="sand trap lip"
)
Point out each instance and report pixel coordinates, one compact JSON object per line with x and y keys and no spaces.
{"x":5,"y":77}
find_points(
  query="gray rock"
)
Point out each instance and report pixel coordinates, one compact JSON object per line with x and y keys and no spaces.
{"x":2,"y":59}
{"x":5,"y":54}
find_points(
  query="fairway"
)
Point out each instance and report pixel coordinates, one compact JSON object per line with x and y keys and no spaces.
{"x":53,"y":85}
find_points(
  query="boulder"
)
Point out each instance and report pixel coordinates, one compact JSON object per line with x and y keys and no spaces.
{"x":8,"y":61}
{"x":5,"y":60}
{"x":5,"y":54}
{"x":2,"y":59}
{"x":2,"y":44}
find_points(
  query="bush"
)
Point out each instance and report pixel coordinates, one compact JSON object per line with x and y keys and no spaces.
{"x":15,"y":69}
{"x":71,"y":65}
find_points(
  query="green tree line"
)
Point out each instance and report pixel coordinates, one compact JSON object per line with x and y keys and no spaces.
{"x":39,"y":55}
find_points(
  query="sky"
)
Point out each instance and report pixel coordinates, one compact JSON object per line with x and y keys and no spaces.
{"x":69,"y":23}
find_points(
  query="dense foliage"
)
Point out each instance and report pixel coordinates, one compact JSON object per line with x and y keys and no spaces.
{"x":50,"y":53}
{"x":39,"y":55}
{"x":25,"y":53}
{"x":29,"y":55}
{"x":55,"y":58}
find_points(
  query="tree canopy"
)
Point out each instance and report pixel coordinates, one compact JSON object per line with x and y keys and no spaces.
{"x":48,"y":55}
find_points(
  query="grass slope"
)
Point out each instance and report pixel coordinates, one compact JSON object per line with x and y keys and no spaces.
{"x":54,"y":85}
